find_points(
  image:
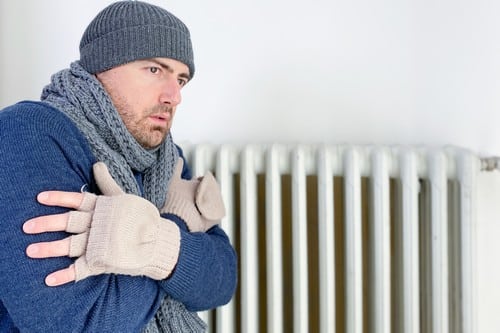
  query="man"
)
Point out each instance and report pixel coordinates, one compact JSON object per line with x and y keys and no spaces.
{"x":91,"y":172}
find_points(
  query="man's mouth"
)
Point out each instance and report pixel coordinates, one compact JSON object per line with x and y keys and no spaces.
{"x":161,"y":117}
{"x":157,"y":122}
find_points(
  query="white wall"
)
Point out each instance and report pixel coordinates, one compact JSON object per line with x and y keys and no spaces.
{"x":360,"y":71}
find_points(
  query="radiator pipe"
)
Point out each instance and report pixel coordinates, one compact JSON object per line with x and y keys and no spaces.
{"x":490,"y":163}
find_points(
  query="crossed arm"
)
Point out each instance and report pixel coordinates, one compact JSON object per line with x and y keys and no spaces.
{"x":59,"y":159}
{"x":103,"y":223}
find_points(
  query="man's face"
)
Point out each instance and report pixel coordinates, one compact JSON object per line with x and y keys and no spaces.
{"x":146,"y":94}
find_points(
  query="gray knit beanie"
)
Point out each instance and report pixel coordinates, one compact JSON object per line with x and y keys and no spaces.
{"x":131,"y":30}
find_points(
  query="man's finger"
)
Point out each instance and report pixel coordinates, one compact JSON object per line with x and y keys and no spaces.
{"x":58,"y":248}
{"x":61,"y":277}
{"x":47,"y":223}
{"x":61,"y":199}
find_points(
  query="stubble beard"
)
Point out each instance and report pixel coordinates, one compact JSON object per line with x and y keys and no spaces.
{"x":147,"y":135}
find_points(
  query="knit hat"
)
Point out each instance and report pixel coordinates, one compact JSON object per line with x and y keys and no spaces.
{"x":131,"y":30}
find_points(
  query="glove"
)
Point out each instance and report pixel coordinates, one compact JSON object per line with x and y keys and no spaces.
{"x":121,"y":233}
{"x":198,"y":201}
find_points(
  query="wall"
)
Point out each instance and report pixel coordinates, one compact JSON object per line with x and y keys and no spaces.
{"x":360,"y":71}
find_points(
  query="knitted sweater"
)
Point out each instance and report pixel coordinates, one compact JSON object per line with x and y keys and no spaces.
{"x":41,"y":149}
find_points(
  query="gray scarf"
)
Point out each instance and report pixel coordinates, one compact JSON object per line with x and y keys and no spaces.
{"x":82,"y":98}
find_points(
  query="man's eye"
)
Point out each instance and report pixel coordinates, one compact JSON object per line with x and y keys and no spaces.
{"x":182,"y":82}
{"x":154,"y":70}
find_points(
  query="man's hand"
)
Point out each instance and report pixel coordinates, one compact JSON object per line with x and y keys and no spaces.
{"x":115,"y":233}
{"x":197,"y":201}
{"x":51,"y":223}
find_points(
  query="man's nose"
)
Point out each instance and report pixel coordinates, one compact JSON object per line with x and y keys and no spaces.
{"x":171,"y":92}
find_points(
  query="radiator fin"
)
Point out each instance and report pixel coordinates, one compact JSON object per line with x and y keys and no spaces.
{"x":342,"y":238}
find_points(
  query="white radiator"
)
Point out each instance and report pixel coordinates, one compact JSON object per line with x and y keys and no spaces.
{"x":354,"y":239}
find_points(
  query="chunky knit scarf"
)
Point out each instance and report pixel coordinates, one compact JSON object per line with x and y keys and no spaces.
{"x":83,"y":99}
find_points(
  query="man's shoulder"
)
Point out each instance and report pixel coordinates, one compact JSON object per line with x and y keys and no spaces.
{"x":38,"y":126}
{"x":30,"y":109}
{"x":35,"y":117}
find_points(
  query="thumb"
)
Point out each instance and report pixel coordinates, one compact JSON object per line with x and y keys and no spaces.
{"x":106,"y":183}
{"x":178,"y":169}
{"x":209,"y":198}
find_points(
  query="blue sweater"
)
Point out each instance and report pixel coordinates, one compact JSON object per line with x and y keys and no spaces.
{"x":41,"y":149}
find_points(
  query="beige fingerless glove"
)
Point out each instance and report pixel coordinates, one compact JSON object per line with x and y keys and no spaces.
{"x":121,"y":233}
{"x":198,"y":201}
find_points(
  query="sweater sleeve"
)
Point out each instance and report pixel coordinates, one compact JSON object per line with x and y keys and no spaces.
{"x":40,"y":149}
{"x":205,"y":276}
{"x":206,"y":273}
